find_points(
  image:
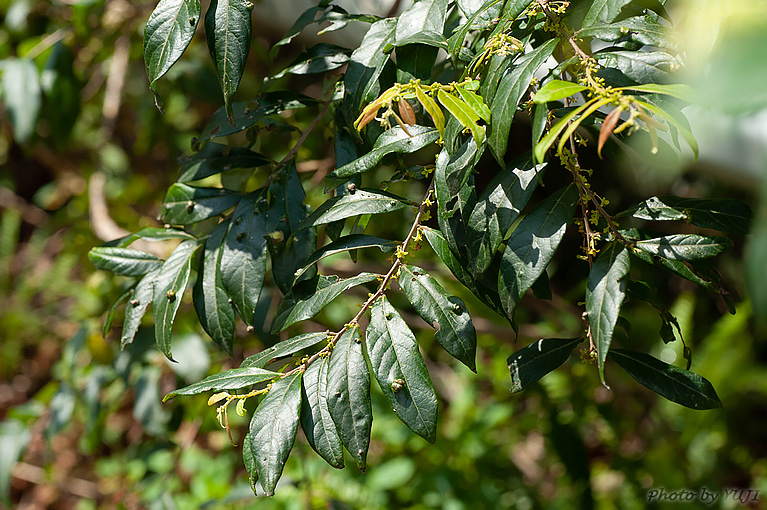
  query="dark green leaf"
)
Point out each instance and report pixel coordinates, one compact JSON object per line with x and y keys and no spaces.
{"x":460,"y":165}
{"x":316,"y":59}
{"x":284,"y":348}
{"x":354,"y":203}
{"x":304,"y":20}
{"x":423,"y":16}
{"x":456,"y":41}
{"x":641,"y":66}
{"x":14,"y":437}
{"x":532,"y":245}
{"x":678,"y":90}
{"x":309,"y":297}
{"x":497,"y":209}
{"x":167,"y":290}
{"x":111,"y":312}
{"x":678,"y":385}
{"x":243,"y":262}
{"x":454,"y":208}
{"x":318,"y":425}
{"x":416,"y":62}
{"x":231,"y":380}
{"x":393,"y":140}
{"x":448,"y":314}
{"x":184,"y":204}
{"x":249,"y":459}
{"x":605,"y":292}
{"x":726,"y":215}
{"x":124,"y":261}
{"x":510,"y":90}
{"x":400,"y":370}
{"x":530,"y":363}
{"x":273,"y":429}
{"x":211,"y":301}
{"x":228,"y":27}
{"x":348,"y":395}
{"x":684,"y":246}
{"x":150,"y":234}
{"x":638,"y":28}
{"x":138,"y":302}
{"x":685,"y":269}
{"x":215,"y":158}
{"x":346,"y":243}
{"x":602,"y":11}
{"x":167,"y":33}
{"x":557,"y":89}
{"x":21,"y":95}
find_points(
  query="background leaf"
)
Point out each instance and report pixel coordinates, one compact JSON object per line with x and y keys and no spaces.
{"x":725,"y":215}
{"x":21,"y":95}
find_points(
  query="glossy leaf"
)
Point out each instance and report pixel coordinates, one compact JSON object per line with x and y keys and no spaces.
{"x":231,"y":380}
{"x":284,"y":348}
{"x":684,"y":246}
{"x":228,"y":28}
{"x":167,"y":290}
{"x":215,"y":158}
{"x":349,"y":395}
{"x":394,"y":140}
{"x":431,"y":107}
{"x":150,"y":234}
{"x":557,"y":89}
{"x":316,"y":59}
{"x":446,"y":313}
{"x":726,"y":215}
{"x":316,"y":422}
{"x":347,"y":243}
{"x":423,"y":16}
{"x":273,"y":429}
{"x":530,"y":363}
{"x":510,"y":90}
{"x":354,"y":203}
{"x":211,"y":301}
{"x":400,"y":370}
{"x":497,"y":208}
{"x":309,"y":297}
{"x":184,"y":204}
{"x":677,"y":385}
{"x":249,"y":460}
{"x":562,"y":124}
{"x":639,"y":29}
{"x":464,"y":114}
{"x":167,"y":34}
{"x":641,"y":66}
{"x":124,"y":261}
{"x":532,"y":245}
{"x":605,"y":292}
{"x":243,"y":261}
{"x":22,"y":96}
{"x":138,"y":302}
{"x":603,"y":11}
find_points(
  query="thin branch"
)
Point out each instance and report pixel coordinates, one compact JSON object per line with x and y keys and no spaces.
{"x":562,"y":32}
{"x":305,"y":134}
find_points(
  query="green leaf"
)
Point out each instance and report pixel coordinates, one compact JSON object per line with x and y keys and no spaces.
{"x":184,"y":204}
{"x":394,"y":140}
{"x":448,"y":314}
{"x":530,"y":363}
{"x":273,"y":429}
{"x":400,"y":370}
{"x":304,"y":20}
{"x":249,"y":459}
{"x":249,"y":113}
{"x":639,"y":29}
{"x":532,"y":245}
{"x":348,"y":394}
{"x":678,"y":90}
{"x":684,"y":246}
{"x":167,"y":34}
{"x":231,"y":380}
{"x":316,"y":59}
{"x":640,"y":66}
{"x":215,"y":158}
{"x":211,"y":301}
{"x":463,"y":114}
{"x":14,"y":437}
{"x":167,"y":289}
{"x":510,"y":90}
{"x":453,"y":208}
{"x":346,"y":243}
{"x":365,"y":66}
{"x":602,"y":11}
{"x":138,"y":302}
{"x":354,"y":203}
{"x":309,"y":297}
{"x":726,"y":215}
{"x":228,"y":28}
{"x":455,"y":42}
{"x":605,"y":292}
{"x":150,"y":234}
{"x":563,"y":123}
{"x":111,"y":312}
{"x":677,"y":385}
{"x":423,"y":16}
{"x":475,"y":102}
{"x":21,"y":95}
{"x":672,"y":121}
{"x":124,"y":261}
{"x":557,"y":89}
{"x":316,"y":421}
{"x":284,"y":348}
{"x":497,"y":209}
{"x":243,"y":262}
{"x":416,"y":61}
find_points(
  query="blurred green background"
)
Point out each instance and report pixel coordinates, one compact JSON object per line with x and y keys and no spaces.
{"x":85,"y":156}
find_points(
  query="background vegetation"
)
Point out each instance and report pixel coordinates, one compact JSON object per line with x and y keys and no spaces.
{"x":85,"y":421}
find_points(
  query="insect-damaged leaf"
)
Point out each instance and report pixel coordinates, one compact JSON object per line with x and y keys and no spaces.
{"x":318,"y":425}
{"x":530,"y":363}
{"x":167,"y":33}
{"x":676,"y":384}
{"x":605,"y":292}
{"x":455,"y":331}
{"x":233,"y":379}
{"x":349,"y":395}
{"x":400,"y":370}
{"x":184,"y":204}
{"x":124,"y":261}
{"x":273,"y":429}
{"x":684,"y":246}
{"x":725,"y":215}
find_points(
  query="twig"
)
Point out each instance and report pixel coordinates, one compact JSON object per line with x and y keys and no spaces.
{"x":562,"y":32}
{"x":304,"y":135}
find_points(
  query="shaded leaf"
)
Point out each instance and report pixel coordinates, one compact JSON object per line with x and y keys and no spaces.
{"x":726,"y":215}
{"x":249,"y":460}
{"x":677,"y":385}
{"x":456,"y":41}
{"x":684,"y":246}
{"x":316,"y":59}
{"x":284,"y":348}
{"x":14,"y":437}
{"x":184,"y":204}
{"x":346,"y":243}
{"x":167,"y":34}
{"x":231,"y":380}
{"x":273,"y":429}
{"x":640,"y":66}
{"x":400,"y":370}
{"x":21,"y":95}
{"x":124,"y":261}
{"x":316,"y":422}
{"x":215,"y":158}
{"x":446,"y":313}
{"x":603,"y":11}
{"x":113,"y":308}
{"x":530,"y":363}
